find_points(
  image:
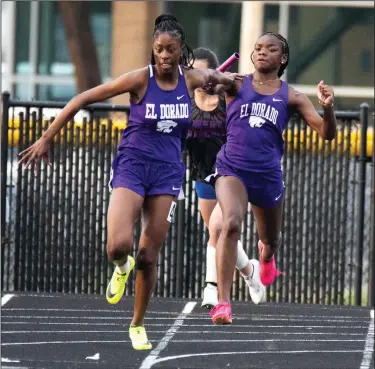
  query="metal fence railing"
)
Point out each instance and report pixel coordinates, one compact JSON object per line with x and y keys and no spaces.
{"x":53,"y":230}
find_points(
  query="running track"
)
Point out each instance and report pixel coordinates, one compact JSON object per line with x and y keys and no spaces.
{"x":61,"y":331}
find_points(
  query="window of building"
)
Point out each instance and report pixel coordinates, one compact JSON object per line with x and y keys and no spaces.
{"x":54,"y":72}
{"x":271,"y":18}
{"x":331,"y":43}
{"x":212,"y":25}
{"x":22,"y":65}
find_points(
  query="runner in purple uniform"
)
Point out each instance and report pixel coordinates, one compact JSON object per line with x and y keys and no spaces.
{"x":248,"y":166}
{"x":206,"y":136}
{"x":148,"y":170}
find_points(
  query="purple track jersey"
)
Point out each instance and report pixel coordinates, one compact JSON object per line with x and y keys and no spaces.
{"x":159,"y":121}
{"x":149,"y":155}
{"x":255,"y":124}
{"x":255,"y":146}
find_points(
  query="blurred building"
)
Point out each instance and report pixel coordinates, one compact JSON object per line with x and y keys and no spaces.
{"x":332,"y":40}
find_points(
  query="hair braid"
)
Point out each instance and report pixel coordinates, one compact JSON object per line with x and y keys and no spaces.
{"x":285,"y":50}
{"x":168,"y":23}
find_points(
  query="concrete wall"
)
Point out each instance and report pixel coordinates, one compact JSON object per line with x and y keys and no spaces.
{"x":132,"y":26}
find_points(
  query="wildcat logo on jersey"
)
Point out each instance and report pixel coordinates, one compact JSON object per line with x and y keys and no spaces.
{"x":256,"y":122}
{"x":165,"y":126}
{"x":259,"y":114}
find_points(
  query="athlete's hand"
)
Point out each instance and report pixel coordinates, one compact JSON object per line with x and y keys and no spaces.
{"x":35,"y":153}
{"x":325,"y":94}
{"x":236,"y":76}
{"x":214,"y":90}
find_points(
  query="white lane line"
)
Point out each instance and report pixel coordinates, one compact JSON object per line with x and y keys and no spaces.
{"x":6,"y":298}
{"x":168,"y":358}
{"x":174,"y":341}
{"x":57,"y":342}
{"x":161,"y":359}
{"x":195,"y":341}
{"x":77,"y":297}
{"x":196,"y":325}
{"x":273,"y":340}
{"x":195,"y":332}
{"x":242,"y":303}
{"x":148,"y":362}
{"x":258,"y":315}
{"x":247,"y":318}
{"x":369,"y":345}
{"x":62,"y":323}
{"x":92,"y":310}
{"x":6,"y":360}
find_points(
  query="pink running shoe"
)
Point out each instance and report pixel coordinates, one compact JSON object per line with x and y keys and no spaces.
{"x":268,"y":271}
{"x":221,"y":313}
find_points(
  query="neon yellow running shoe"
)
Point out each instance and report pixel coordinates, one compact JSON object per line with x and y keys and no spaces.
{"x":138,"y":335}
{"x":116,"y":286}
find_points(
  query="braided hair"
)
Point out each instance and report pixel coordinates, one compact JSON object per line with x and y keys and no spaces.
{"x":169,"y":24}
{"x":285,"y":49}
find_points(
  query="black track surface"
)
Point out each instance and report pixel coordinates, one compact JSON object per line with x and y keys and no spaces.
{"x":58,"y":331}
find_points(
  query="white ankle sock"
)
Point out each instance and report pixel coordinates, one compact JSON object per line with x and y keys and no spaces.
{"x":211,"y":273}
{"x":242,"y":259}
{"x":123,"y":268}
{"x":248,"y":278}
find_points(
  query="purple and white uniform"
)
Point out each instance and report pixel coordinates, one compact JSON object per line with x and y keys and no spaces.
{"x":255,"y":146}
{"x":149,"y":155}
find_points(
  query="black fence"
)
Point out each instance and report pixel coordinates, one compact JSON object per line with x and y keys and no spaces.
{"x":54,"y":224}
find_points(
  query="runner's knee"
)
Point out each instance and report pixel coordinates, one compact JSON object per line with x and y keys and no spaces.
{"x":146,"y":258}
{"x":119,"y":247}
{"x":232,"y":226}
